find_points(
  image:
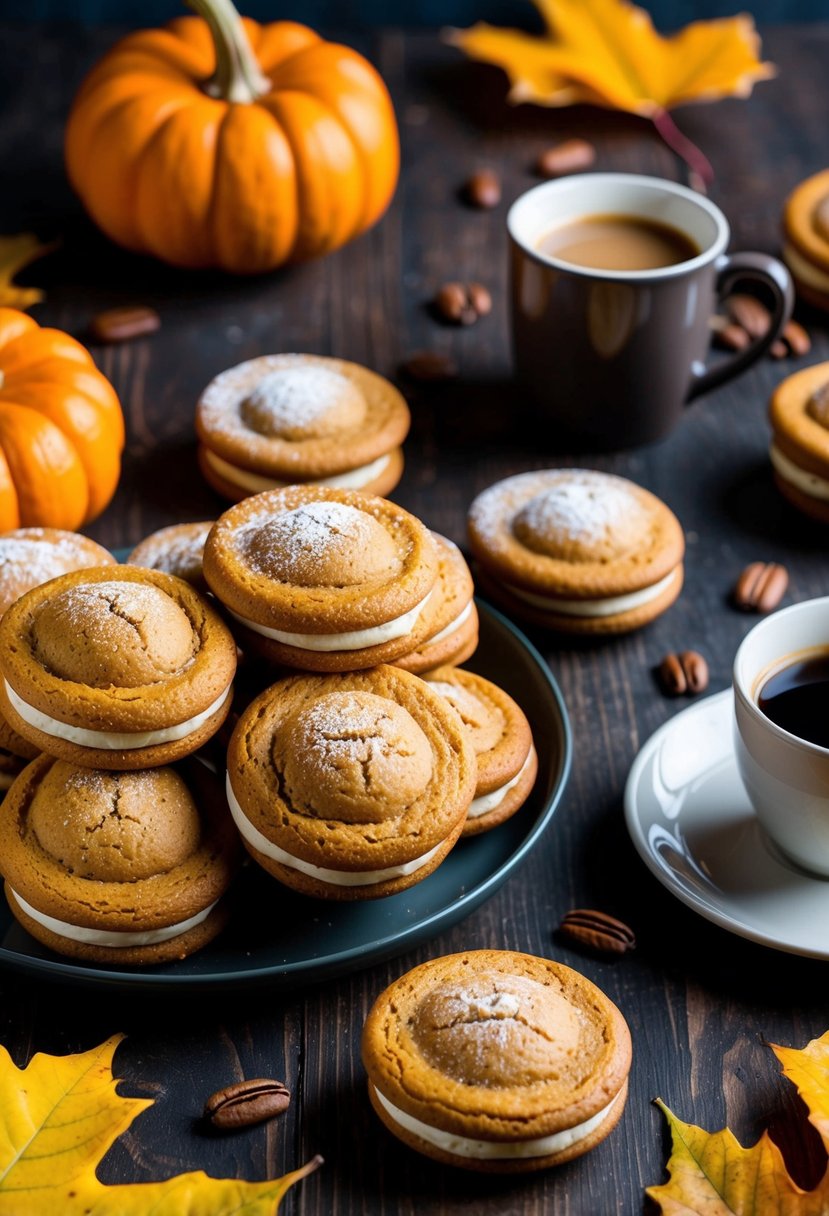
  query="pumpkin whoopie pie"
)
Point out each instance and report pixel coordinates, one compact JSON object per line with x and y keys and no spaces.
{"x":806,"y":238}
{"x":115,"y":667}
{"x":350,"y":786}
{"x":577,"y":550}
{"x":176,"y":550}
{"x":29,"y":557}
{"x":117,"y":867}
{"x":287,"y":419}
{"x":497,"y":1061}
{"x":501,"y":737}
{"x":450,"y":615}
{"x":799,"y":415}
{"x":323,"y":580}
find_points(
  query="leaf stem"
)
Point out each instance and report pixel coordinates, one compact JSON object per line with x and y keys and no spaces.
{"x":696,"y":160}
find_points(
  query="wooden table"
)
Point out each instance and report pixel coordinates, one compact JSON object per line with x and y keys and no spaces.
{"x":700,"y":1001}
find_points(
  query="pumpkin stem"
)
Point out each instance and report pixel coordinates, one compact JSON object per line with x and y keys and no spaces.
{"x":238,"y":76}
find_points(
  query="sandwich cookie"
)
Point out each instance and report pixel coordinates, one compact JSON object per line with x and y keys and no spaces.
{"x":116,"y":668}
{"x":29,"y":557}
{"x":806,"y":238}
{"x":175,"y":550}
{"x":799,"y":415}
{"x":497,"y":1061}
{"x":450,"y":616}
{"x":323,"y":580}
{"x":577,"y":550}
{"x":126,"y":868}
{"x":350,"y":786}
{"x":502,"y":740}
{"x":287,"y":419}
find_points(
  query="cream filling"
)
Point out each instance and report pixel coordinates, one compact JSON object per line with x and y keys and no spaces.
{"x":337,"y":878}
{"x":355,"y":640}
{"x":111,"y":740}
{"x":805,"y":270}
{"x":352,"y":479}
{"x":488,"y":802}
{"x":451,"y":627}
{"x":595,"y":608}
{"x":112,"y":937}
{"x":808,"y":483}
{"x":464,"y":1146}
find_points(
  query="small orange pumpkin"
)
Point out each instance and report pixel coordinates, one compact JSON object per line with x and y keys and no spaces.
{"x":222,"y":142}
{"x":61,"y":428}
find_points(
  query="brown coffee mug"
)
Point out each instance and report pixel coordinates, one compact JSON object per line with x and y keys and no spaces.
{"x":611,"y":357}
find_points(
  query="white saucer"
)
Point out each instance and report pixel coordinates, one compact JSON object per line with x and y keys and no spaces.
{"x":690,"y":818}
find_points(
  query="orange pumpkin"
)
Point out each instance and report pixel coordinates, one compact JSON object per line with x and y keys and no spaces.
{"x":61,"y":428}
{"x":221,"y":142}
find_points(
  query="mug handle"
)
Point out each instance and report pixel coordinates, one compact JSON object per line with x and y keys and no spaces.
{"x":733,"y":269}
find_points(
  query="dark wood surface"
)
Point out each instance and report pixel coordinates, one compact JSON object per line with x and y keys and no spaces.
{"x":701,"y":1002}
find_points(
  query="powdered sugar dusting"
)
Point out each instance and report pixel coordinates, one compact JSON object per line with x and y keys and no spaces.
{"x":308,"y":533}
{"x":490,"y":1004}
{"x":26,"y":562}
{"x":174,"y":550}
{"x":296,"y":396}
{"x":582,"y":510}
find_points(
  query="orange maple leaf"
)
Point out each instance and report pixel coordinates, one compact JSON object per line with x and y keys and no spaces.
{"x":59,"y":1116}
{"x":607,"y":53}
{"x":711,"y":1174}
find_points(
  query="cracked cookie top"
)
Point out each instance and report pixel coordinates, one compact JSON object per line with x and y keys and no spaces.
{"x":497,"y":1045}
{"x":298,"y":417}
{"x":127,"y":851}
{"x":116,"y":649}
{"x":353,"y":771}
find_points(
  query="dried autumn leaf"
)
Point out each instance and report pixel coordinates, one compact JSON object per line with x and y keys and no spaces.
{"x":607,"y":53}
{"x":60,"y":1115}
{"x":711,"y":1174}
{"x":16,"y":252}
{"x":808,"y":1068}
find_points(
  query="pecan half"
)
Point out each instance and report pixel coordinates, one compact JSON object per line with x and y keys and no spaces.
{"x":598,"y":931}
{"x":761,"y":587}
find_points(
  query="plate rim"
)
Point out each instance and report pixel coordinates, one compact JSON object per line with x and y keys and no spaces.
{"x":341,"y":962}
{"x":668,"y":878}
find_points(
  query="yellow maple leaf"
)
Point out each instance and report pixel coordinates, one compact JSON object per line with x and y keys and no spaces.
{"x":808,"y":1068}
{"x":16,"y":252}
{"x":60,"y":1115}
{"x":607,"y":53}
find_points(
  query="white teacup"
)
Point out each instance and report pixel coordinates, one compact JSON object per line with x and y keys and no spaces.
{"x":786,"y":777}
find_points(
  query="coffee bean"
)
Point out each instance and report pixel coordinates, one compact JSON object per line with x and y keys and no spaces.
{"x":778,"y":349}
{"x":731,"y":337}
{"x":429,"y":366}
{"x":567,"y":157}
{"x":463,"y":303}
{"x":122,"y":324}
{"x":685,"y":672}
{"x":761,"y":587}
{"x":483,"y":189}
{"x":796,"y":338}
{"x":246,"y":1103}
{"x":747,"y":311}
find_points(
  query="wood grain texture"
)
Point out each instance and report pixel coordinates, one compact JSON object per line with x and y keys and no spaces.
{"x":700,"y":1001}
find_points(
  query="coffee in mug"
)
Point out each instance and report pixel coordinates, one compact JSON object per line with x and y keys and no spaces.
{"x":796,"y":696}
{"x":611,"y":333}
{"x":618,"y":242}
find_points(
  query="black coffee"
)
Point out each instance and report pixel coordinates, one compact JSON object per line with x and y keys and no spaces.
{"x":797,"y":699}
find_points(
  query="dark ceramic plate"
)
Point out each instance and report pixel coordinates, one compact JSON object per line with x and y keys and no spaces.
{"x":284,"y":939}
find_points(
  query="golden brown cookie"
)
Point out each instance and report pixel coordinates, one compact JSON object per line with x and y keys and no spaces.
{"x":176,"y":550}
{"x":496,"y":1061}
{"x":806,"y":238}
{"x":450,"y":615}
{"x":116,"y":668}
{"x":31,"y":556}
{"x":350,"y":786}
{"x":577,"y":550}
{"x":323,"y":580}
{"x":124,"y":868}
{"x":799,"y":416}
{"x":502,"y":740}
{"x":285,"y":419}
